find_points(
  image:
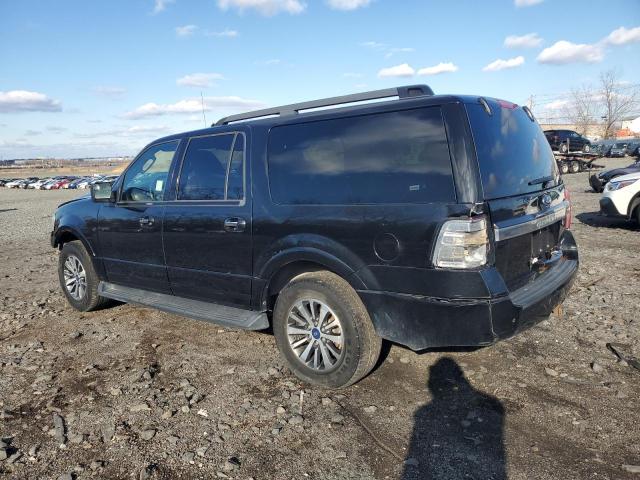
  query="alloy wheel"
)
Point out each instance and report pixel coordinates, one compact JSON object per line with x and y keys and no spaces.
{"x":75,"y":277}
{"x":315,"y":335}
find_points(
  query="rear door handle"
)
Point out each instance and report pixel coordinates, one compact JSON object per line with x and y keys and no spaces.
{"x":146,"y":221}
{"x":235,"y":224}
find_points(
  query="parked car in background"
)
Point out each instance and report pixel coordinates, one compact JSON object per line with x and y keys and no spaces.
{"x":633,"y":149}
{"x":618,"y":149}
{"x":28,"y":181}
{"x":398,"y":219}
{"x":69,"y":180}
{"x":599,"y":180}
{"x":38,"y":185}
{"x":73,"y":184}
{"x":54,"y":183}
{"x":566,"y":141}
{"x":621,"y":197}
{"x":14,"y":183}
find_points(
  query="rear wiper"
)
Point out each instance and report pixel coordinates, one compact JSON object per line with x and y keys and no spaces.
{"x":541,"y":180}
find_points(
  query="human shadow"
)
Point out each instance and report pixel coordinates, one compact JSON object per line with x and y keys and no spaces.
{"x":459,"y":434}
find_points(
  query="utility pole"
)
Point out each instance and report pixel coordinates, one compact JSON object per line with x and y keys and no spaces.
{"x":204,"y":117}
{"x":531,"y":102}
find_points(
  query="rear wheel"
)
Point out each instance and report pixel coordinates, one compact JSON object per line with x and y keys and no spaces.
{"x":575,"y":167}
{"x":563,"y":148}
{"x":323,"y":330}
{"x":78,"y":279}
{"x":586,"y":148}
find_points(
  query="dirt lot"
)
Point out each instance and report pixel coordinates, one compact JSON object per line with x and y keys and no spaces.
{"x":129,"y":392}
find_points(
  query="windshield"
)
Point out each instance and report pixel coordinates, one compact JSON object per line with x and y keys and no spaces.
{"x":514,"y":155}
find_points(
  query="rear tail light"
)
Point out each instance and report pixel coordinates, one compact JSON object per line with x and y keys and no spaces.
{"x":462,"y":244}
{"x":568,"y":215}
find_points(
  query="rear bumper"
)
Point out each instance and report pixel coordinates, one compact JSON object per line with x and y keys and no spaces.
{"x":421,"y":322}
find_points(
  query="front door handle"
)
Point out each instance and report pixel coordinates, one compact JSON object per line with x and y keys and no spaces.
{"x":146,"y":221}
{"x":235,"y":224}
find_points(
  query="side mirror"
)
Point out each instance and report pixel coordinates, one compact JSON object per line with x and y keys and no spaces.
{"x":102,"y":192}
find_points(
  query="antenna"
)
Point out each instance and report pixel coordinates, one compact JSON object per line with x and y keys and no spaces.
{"x":204,"y":117}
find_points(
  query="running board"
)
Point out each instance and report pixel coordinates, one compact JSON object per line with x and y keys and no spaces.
{"x":210,"y":312}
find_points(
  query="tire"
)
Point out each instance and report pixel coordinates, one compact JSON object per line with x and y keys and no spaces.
{"x":87,"y":299}
{"x":574,"y":167}
{"x":564,"y":168}
{"x":563,"y":148}
{"x":358,"y":344}
{"x":586,"y":148}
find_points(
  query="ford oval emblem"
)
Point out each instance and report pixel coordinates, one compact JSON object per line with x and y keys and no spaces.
{"x":545,"y":201}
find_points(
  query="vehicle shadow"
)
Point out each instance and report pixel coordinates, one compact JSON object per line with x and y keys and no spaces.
{"x":459,"y":433}
{"x":595,"y":219}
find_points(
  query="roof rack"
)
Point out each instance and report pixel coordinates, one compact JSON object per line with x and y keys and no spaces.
{"x":295,"y":108}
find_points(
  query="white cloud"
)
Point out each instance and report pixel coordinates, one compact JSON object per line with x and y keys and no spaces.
{"x":402,"y":70}
{"x":530,"y":40}
{"x":186,"y":30}
{"x":15,"y":101}
{"x":56,"y":129}
{"x":501,"y":64}
{"x":193,"y":105}
{"x":134,"y":131}
{"x":352,"y":75}
{"x":264,"y":7}
{"x":392,"y":51}
{"x":438,"y":69}
{"x":110,"y":92}
{"x":622,"y":36}
{"x":563,"y":52}
{"x":347,"y":4}
{"x":269,"y":63}
{"x":160,"y":5}
{"x":526,"y":3}
{"x":556,"y":105}
{"x":226,"y":33}
{"x":371,"y":44}
{"x":202,"y":80}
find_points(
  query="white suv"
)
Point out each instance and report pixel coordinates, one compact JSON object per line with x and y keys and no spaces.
{"x":621,"y":197}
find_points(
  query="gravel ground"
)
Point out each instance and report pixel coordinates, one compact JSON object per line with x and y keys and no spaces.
{"x":128,"y":392}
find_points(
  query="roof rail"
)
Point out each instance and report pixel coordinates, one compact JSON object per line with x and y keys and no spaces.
{"x":295,"y":108}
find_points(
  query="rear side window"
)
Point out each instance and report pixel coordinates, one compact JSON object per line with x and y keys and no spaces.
{"x":513,"y":153}
{"x":211,"y":165}
{"x":396,"y":157}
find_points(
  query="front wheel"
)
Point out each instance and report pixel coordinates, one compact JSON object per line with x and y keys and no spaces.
{"x":323,"y":330}
{"x":78,"y":278}
{"x":563,"y":148}
{"x":564,"y":168}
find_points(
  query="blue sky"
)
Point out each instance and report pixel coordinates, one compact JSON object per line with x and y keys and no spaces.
{"x":94,"y":78}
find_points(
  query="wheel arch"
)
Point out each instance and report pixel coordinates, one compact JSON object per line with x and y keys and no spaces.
{"x":69,"y":234}
{"x":633,"y":205}
{"x":289,"y":264}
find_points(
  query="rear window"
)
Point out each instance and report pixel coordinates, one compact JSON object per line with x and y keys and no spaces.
{"x":395,"y":157}
{"x":512,"y":151}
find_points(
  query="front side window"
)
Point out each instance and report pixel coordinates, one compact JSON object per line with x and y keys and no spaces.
{"x":146,"y":179}
{"x":213,"y":168}
{"x":391,"y":157}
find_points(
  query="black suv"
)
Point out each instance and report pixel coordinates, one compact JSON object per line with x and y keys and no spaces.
{"x":429,"y":221}
{"x":566,"y":141}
